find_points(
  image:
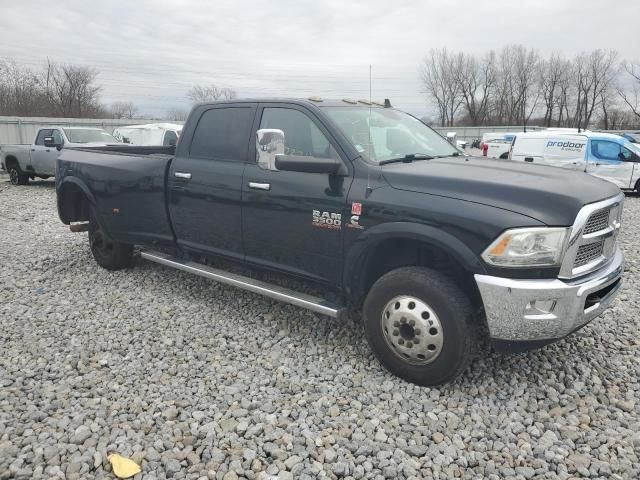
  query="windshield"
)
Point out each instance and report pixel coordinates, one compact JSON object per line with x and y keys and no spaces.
{"x":80,"y":135}
{"x":385,"y":134}
{"x":634,"y":147}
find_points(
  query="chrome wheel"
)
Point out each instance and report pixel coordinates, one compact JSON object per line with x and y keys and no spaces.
{"x":412,"y":329}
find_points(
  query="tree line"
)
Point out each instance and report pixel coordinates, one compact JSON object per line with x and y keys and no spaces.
{"x":73,"y":91}
{"x":517,"y":86}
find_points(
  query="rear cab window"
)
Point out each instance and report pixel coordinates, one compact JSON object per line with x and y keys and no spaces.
{"x":223,"y":134}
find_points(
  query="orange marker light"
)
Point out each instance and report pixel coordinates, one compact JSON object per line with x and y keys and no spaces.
{"x":501,"y":246}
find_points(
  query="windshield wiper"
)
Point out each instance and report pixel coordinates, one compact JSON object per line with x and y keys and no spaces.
{"x":410,"y":157}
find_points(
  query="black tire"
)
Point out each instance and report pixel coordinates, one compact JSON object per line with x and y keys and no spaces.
{"x":108,"y":253}
{"x":16,"y":177}
{"x":637,"y":187}
{"x":504,"y":156}
{"x":446,"y":313}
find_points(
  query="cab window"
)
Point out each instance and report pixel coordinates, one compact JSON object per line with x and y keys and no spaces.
{"x":605,"y":150}
{"x":222,"y":134}
{"x":301,"y":136}
{"x":57,"y":137}
{"x":41,"y":135}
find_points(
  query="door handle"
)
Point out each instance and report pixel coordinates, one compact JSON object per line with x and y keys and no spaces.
{"x":528,"y":159}
{"x":184,"y":175}
{"x":260,"y":186}
{"x":33,"y":149}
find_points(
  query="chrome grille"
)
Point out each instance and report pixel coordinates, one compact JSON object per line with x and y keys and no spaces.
{"x":597,"y":221}
{"x":593,"y":236}
{"x":588,"y":253}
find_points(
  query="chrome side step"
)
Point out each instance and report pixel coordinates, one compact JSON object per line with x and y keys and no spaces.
{"x":303,"y":300}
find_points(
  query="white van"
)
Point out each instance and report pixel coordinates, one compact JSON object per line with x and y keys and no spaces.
{"x":603,"y":155}
{"x":151,"y":134}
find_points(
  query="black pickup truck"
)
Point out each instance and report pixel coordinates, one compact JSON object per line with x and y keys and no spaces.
{"x":435,"y":249}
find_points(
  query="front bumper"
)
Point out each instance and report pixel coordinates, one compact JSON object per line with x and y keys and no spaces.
{"x":541,"y":311}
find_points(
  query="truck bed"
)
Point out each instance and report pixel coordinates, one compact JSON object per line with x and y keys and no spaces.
{"x":128,"y":185}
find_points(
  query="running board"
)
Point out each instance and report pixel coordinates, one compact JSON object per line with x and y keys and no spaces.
{"x":303,"y":300}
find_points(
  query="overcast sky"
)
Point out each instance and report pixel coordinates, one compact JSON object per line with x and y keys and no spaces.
{"x":151,"y":52}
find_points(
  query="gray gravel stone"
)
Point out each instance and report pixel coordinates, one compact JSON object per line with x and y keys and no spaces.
{"x":198,"y":380}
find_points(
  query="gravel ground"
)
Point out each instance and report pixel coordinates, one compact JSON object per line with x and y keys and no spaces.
{"x":196,"y":380}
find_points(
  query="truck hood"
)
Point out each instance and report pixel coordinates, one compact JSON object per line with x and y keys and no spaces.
{"x":548,"y":194}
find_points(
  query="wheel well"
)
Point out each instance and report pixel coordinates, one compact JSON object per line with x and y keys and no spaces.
{"x":9,"y":160}
{"x":74,"y":204}
{"x":394,"y":253}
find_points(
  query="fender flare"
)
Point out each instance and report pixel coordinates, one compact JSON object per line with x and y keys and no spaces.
{"x":372,"y":237}
{"x":71,"y":180}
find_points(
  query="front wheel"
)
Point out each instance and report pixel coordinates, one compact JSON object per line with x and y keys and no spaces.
{"x":420,"y":325}
{"x":16,"y":177}
{"x":107,"y":252}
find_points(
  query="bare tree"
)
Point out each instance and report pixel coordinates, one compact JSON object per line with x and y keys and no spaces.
{"x":594,"y":74}
{"x":210,"y":93}
{"x":476,"y":81}
{"x":177,"y":114}
{"x":517,"y":91}
{"x":631,"y":96}
{"x":439,"y":78}
{"x":71,"y":90}
{"x":123,"y":110}
{"x":554,"y":80}
{"x":20,"y":94}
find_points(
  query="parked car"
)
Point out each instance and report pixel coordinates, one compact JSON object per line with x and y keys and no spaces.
{"x":498,"y":148}
{"x":151,"y":134}
{"x":24,"y":162}
{"x":604,"y":155}
{"x":434,"y":248}
{"x":493,"y":136}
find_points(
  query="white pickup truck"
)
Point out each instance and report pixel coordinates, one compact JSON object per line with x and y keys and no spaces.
{"x":24,"y":162}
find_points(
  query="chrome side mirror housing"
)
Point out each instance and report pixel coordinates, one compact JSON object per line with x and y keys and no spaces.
{"x":269,"y":144}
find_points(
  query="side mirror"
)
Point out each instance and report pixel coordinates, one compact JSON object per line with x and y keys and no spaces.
{"x":49,"y":142}
{"x":269,"y":143}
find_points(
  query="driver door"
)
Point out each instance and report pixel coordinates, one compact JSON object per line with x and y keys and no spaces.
{"x":293,"y":221}
{"x":44,"y":162}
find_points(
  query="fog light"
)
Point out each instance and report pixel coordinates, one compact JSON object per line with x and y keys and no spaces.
{"x":540,"y":307}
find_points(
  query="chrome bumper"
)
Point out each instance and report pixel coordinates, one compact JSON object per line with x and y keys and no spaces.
{"x":538,"y":310}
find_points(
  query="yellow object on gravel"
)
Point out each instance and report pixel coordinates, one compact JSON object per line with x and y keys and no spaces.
{"x":123,"y":467}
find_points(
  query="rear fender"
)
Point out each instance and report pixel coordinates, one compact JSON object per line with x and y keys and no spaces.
{"x":66,"y":182}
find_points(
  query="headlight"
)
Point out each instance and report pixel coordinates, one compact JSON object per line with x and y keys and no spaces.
{"x":527,"y":247}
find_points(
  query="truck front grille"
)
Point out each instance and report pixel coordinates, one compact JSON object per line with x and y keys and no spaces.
{"x":597,"y":221}
{"x":593,"y":238}
{"x":588,"y":253}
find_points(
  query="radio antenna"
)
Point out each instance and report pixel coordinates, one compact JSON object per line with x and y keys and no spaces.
{"x":369,"y":130}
